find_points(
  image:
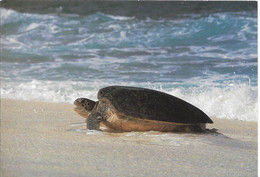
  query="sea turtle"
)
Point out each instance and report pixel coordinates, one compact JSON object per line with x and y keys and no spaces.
{"x":124,"y":108}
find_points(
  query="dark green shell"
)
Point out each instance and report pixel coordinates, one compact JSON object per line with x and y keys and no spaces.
{"x":152,"y":105}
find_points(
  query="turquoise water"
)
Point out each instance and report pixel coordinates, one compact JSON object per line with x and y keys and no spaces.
{"x":208,"y":59}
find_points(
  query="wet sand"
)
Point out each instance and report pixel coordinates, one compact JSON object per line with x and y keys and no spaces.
{"x":50,"y":139}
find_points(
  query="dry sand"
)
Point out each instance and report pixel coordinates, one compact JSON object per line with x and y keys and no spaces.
{"x":49,"y":139}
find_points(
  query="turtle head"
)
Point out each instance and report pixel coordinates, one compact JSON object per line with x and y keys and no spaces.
{"x":84,"y":106}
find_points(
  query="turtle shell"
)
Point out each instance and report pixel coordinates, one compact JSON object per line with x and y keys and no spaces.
{"x":152,"y":105}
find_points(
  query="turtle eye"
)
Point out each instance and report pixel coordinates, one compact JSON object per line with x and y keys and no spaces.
{"x":82,"y":100}
{"x":79,"y":100}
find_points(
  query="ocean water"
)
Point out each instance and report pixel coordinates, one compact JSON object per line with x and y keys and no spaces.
{"x":208,"y":58}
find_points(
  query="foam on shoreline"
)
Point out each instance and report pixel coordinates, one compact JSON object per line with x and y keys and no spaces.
{"x":235,"y":101}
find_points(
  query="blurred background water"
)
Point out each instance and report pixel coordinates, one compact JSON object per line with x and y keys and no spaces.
{"x":203,"y":52}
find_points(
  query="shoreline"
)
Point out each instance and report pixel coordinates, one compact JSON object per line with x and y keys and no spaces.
{"x":49,"y":139}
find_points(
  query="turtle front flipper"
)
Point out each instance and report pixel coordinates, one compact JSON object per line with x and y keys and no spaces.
{"x":93,"y":121}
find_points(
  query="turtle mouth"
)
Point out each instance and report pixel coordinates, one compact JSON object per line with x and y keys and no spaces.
{"x":79,"y":108}
{"x":84,"y":106}
{"x":81,"y":111}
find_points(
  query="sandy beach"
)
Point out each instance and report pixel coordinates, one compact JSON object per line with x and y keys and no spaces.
{"x":49,"y":139}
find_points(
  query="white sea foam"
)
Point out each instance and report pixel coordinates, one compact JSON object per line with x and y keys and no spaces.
{"x":32,"y":26}
{"x":120,"y":17}
{"x":235,"y":101}
{"x":49,"y":91}
{"x":4,"y":13}
{"x":12,"y":43}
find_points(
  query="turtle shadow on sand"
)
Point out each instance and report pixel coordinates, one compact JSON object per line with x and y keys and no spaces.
{"x":208,"y":136}
{"x":126,"y":109}
{"x":215,"y":132}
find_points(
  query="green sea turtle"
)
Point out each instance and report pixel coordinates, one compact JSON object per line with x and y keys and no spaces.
{"x":138,"y":109}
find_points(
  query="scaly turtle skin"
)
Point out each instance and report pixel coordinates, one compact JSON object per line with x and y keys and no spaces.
{"x":84,"y":106}
{"x":138,"y":109}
